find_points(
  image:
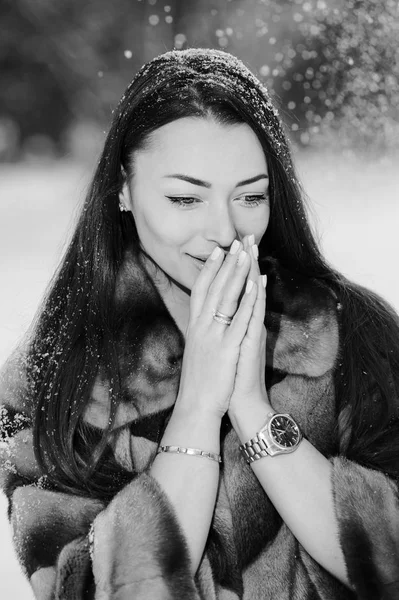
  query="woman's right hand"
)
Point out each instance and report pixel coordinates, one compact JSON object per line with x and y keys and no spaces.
{"x":212,"y":349}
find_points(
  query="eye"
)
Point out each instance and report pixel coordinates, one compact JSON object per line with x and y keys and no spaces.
{"x":254,"y":199}
{"x":183,"y":201}
{"x":250,"y":200}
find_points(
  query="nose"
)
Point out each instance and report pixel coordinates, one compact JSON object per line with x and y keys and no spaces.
{"x":219,"y":226}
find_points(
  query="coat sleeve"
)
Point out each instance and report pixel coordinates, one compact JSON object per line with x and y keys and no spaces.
{"x":367,"y":509}
{"x":76,"y":548}
{"x":72,"y":547}
{"x":365,"y":478}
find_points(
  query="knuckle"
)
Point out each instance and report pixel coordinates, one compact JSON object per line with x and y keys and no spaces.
{"x":213,"y":291}
{"x":229,"y":300}
{"x":228,"y":309}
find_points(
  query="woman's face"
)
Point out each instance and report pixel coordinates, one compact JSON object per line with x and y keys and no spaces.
{"x":198,"y":185}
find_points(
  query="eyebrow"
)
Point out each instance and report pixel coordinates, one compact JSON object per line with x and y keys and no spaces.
{"x":206,"y":184}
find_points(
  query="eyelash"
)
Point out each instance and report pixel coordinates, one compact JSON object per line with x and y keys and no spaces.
{"x":180,"y":200}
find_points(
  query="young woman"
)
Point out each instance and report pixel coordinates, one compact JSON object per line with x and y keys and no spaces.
{"x":168,"y":434}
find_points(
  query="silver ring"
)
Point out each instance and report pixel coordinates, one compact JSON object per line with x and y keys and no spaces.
{"x":221,"y":318}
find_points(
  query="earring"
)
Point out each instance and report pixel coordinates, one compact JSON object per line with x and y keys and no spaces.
{"x":122,"y":206}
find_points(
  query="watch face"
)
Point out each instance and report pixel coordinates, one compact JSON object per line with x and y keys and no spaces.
{"x":285,"y":431}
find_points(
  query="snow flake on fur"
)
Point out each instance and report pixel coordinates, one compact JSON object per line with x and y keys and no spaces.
{"x":12,"y":421}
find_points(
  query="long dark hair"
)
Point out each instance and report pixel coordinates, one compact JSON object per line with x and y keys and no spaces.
{"x":74,"y":338}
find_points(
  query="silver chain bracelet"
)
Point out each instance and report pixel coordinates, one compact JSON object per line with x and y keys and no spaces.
{"x":190,"y":452}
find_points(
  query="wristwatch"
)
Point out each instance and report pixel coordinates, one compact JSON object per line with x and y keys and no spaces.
{"x":279,"y":435}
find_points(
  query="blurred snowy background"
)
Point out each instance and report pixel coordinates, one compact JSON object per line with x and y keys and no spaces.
{"x":332,"y":65}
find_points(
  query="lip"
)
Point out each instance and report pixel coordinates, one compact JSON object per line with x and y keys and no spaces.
{"x":197,"y":261}
{"x":203,"y":257}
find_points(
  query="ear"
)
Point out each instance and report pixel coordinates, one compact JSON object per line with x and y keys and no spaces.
{"x":125,"y":199}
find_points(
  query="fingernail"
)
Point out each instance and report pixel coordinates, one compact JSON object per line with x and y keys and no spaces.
{"x":249,"y":286}
{"x":216,"y":252}
{"x":255,"y":251}
{"x":241,"y":257}
{"x":251,"y":239}
{"x":264,"y":280}
{"x":234,"y":247}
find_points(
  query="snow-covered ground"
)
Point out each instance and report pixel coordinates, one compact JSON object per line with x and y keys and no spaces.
{"x":355,"y":206}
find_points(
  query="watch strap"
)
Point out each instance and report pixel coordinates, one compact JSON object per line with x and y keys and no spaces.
{"x":254,"y":449}
{"x":263,"y":443}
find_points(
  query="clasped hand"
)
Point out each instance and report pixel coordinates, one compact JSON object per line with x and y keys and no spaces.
{"x":223,"y":365}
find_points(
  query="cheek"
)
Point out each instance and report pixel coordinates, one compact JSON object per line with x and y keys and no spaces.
{"x":254,"y":221}
{"x":163,"y":229}
{"x":263,"y":220}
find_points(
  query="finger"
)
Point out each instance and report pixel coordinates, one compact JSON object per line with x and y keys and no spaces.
{"x":201,"y":286}
{"x":228,"y":299}
{"x":255,"y":325}
{"x":239,"y":325}
{"x":226,"y":272}
{"x":258,"y":315}
{"x":253,"y":252}
{"x":217,"y":269}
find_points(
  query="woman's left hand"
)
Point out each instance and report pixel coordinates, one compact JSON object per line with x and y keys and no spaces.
{"x":250,"y":385}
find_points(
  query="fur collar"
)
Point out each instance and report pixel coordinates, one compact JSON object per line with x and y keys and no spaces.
{"x":302,"y":351}
{"x":303,"y":341}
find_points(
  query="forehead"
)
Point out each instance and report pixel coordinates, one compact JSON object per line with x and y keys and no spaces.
{"x":202,"y":147}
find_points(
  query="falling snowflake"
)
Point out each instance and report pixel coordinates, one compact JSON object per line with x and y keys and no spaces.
{"x":153,"y":20}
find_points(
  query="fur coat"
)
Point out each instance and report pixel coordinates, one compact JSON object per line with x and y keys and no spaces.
{"x":132,"y":547}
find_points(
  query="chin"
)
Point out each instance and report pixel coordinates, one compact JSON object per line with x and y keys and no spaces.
{"x":185,"y":284}
{"x":184,"y":278}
